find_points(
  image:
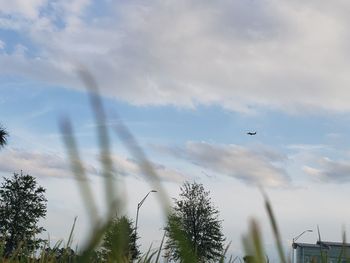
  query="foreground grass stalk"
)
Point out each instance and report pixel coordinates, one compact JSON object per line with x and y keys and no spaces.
{"x":79,"y":170}
{"x":103,"y":138}
{"x":70,"y":238}
{"x":253,"y":244}
{"x":275,"y":230}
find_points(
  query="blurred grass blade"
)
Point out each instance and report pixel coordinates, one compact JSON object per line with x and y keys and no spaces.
{"x":146,"y":256}
{"x":94,"y":241}
{"x":160,"y":248}
{"x":222,"y":259}
{"x":253,"y":245}
{"x":78,"y":169}
{"x":70,"y":239}
{"x":102,"y":134}
{"x":274,"y":226}
{"x":234,"y":260}
{"x":146,"y":166}
{"x":343,"y":251}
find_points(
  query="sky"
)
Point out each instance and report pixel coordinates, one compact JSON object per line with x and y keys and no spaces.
{"x":189,"y":79}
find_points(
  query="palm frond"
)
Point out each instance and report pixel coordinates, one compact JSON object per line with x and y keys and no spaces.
{"x":3,"y":137}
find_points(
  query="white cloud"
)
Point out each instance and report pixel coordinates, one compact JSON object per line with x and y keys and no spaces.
{"x":307,"y":147}
{"x":240,"y":54}
{"x":37,"y":163}
{"x":53,"y":165}
{"x":129,"y":167}
{"x":27,"y":8}
{"x":43,"y":164}
{"x":330,"y":171}
{"x":253,"y":166}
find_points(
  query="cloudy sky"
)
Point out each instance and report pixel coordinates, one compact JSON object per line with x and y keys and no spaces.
{"x":189,"y":79}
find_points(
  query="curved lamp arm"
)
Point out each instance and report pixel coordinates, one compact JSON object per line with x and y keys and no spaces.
{"x":139,"y":205}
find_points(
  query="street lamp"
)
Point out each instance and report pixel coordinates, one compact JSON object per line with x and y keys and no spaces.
{"x":295,"y":239}
{"x":138,"y":208}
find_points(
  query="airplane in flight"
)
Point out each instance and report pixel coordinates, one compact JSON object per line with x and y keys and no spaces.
{"x":251,"y":133}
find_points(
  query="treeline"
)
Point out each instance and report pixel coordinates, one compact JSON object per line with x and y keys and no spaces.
{"x":23,"y":204}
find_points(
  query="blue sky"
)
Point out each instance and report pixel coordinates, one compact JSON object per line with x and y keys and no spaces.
{"x":189,"y":79}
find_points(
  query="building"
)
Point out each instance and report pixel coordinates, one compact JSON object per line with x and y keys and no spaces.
{"x":321,"y":252}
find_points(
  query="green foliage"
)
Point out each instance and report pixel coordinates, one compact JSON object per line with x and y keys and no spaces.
{"x":22,"y":205}
{"x":119,"y":242}
{"x":59,"y":254}
{"x":195,"y":219}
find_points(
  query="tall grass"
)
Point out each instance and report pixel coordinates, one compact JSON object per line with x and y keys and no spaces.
{"x":112,"y":199}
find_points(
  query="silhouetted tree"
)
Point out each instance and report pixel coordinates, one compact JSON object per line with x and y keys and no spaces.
{"x":119,"y":243}
{"x":3,"y":137}
{"x":195,"y":216}
{"x":22,"y":204}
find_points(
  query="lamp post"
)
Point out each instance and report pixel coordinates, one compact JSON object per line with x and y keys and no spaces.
{"x":295,"y":239}
{"x":138,"y":208}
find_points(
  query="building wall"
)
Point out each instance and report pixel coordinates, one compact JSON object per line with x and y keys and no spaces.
{"x":314,"y":254}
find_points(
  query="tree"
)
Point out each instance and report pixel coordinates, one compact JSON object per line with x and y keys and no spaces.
{"x":197,"y":219}
{"x":3,"y":137}
{"x":22,"y":204}
{"x":119,"y":243}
